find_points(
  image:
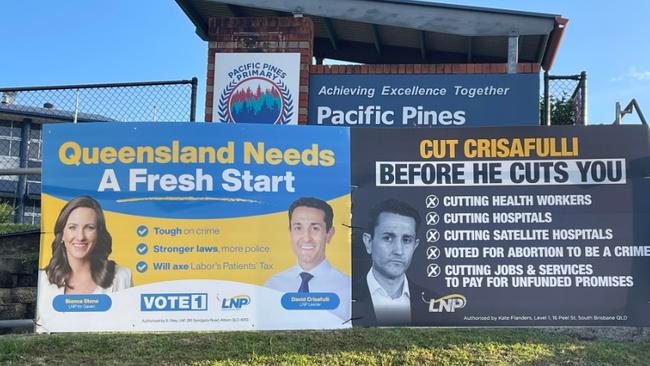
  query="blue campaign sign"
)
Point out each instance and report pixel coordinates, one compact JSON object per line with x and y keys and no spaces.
{"x":182,"y":170}
{"x":424,"y":100}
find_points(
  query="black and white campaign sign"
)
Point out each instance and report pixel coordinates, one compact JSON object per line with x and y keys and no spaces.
{"x":537,"y":226}
{"x":424,"y":100}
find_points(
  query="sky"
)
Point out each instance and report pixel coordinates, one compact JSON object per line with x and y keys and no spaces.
{"x":47,"y":42}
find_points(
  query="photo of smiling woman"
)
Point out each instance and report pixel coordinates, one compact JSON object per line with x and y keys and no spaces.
{"x":80,"y":250}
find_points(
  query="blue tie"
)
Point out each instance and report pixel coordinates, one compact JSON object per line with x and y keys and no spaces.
{"x":304,"y":285}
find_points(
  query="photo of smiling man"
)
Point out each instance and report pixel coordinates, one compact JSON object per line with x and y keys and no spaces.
{"x":311,"y":230}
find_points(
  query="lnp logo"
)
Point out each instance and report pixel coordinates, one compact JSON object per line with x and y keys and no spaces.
{"x":235,"y":302}
{"x":256,"y":93}
{"x":448,"y":303}
{"x":174,"y":302}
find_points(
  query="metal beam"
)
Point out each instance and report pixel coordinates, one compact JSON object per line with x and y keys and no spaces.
{"x":331,"y":33}
{"x":469,"y":50}
{"x":376,"y":38}
{"x":629,"y":109}
{"x":20,"y":171}
{"x":235,"y":10}
{"x":423,"y":45}
{"x":16,"y":323}
{"x":94,"y":86}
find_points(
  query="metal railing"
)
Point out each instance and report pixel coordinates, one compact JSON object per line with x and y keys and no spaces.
{"x":173,"y":100}
{"x":631,"y":106}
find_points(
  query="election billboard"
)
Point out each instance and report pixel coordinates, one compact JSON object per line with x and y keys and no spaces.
{"x":424,"y":100}
{"x":517,"y":226}
{"x":178,"y":226}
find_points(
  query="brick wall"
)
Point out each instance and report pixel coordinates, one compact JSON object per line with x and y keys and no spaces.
{"x":18,"y":276}
{"x":273,"y":34}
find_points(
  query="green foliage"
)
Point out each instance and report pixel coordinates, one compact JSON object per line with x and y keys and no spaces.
{"x":6,"y":228}
{"x":6,"y":213}
{"x":563,"y":110}
{"x":370,"y":346}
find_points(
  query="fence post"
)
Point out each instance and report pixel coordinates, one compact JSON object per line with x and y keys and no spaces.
{"x":76,"y":106}
{"x":195,"y":82}
{"x":583,"y":98}
{"x":547,"y":102}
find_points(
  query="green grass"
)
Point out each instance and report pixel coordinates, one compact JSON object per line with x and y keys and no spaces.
{"x":349,"y":347}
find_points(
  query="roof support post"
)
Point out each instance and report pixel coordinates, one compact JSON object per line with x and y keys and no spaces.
{"x":513,"y":54}
{"x":331,"y":33}
{"x":423,"y":45}
{"x":234,"y":10}
{"x":541,"y":48}
{"x":376,"y":38}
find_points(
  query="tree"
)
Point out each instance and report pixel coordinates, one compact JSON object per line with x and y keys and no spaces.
{"x":563,"y":110}
{"x":6,"y":213}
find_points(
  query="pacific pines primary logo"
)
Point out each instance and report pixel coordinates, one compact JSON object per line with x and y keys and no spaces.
{"x":256,"y":93}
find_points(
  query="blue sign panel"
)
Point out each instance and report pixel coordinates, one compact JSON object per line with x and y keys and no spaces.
{"x":424,"y":100}
{"x":127,"y":167}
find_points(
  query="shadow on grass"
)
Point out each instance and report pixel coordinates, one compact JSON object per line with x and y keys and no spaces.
{"x":346,"y":347}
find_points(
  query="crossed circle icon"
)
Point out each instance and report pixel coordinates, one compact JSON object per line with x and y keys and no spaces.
{"x":432,"y":235}
{"x":433,"y":270}
{"x":432,"y":218}
{"x":433,"y":253}
{"x":432,"y":201}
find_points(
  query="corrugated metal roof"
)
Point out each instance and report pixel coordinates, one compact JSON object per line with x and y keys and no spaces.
{"x":49,"y":113}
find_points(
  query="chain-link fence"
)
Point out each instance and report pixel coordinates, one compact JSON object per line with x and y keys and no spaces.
{"x":565,"y":100}
{"x":147,"y":101}
{"x":24,"y":110}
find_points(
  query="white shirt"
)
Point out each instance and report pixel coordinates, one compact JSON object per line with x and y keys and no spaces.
{"x":121,"y":280}
{"x":48,"y":291}
{"x":326,"y":279}
{"x":389,"y":310}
